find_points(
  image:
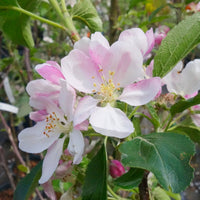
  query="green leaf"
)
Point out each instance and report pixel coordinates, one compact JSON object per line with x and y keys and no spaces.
{"x":178,"y":43}
{"x":15,"y":25}
{"x":95,"y":186}
{"x":131,"y":179}
{"x":191,"y":131}
{"x":85,"y":12}
{"x":27,"y":185}
{"x":182,"y":105}
{"x":166,"y":155}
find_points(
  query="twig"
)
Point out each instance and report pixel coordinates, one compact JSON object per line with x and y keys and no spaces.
{"x":143,"y":187}
{"x":28,"y":64}
{"x":4,"y":164}
{"x":10,"y":136}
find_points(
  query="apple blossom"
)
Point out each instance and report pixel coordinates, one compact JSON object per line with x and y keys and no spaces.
{"x":110,"y":73}
{"x":51,"y":132}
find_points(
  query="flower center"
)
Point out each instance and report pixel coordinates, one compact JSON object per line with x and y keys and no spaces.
{"x":107,"y":90}
{"x":53,"y":123}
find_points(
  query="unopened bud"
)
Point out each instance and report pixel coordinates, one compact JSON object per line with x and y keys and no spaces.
{"x":116,"y":169}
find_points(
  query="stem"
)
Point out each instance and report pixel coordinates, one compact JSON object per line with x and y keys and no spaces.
{"x":4,"y":165}
{"x":15,"y":149}
{"x":34,"y":16}
{"x":168,"y":124}
{"x":143,"y":187}
{"x":143,"y":115}
{"x":133,"y":112}
{"x":114,"y":194}
{"x":66,"y":19}
{"x":28,"y":64}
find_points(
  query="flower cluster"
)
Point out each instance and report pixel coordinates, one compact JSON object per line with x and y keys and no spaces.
{"x":104,"y":74}
{"x":86,"y":89}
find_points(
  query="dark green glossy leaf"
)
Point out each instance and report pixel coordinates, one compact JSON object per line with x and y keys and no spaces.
{"x":178,"y":43}
{"x":166,"y":155}
{"x":182,"y":105}
{"x":95,"y":186}
{"x":85,"y":12}
{"x":28,"y":184}
{"x":131,"y":179}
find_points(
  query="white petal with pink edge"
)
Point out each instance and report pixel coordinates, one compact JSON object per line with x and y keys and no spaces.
{"x":51,"y":160}
{"x":76,"y":145}
{"x":111,"y":122}
{"x":50,"y":72}
{"x":135,"y":37}
{"x":84,"y":109}
{"x":80,"y":71}
{"x":32,"y":140}
{"x":141,"y":92}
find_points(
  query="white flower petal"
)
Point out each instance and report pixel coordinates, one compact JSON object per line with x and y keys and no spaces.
{"x":173,"y":79}
{"x":8,"y":108}
{"x":98,"y":37}
{"x":67,"y":99}
{"x":141,"y":92}
{"x":76,"y":145}
{"x":83,"y":45}
{"x":135,"y":37}
{"x":111,"y":121}
{"x":191,"y":77}
{"x":32,"y":140}
{"x":84,"y":109}
{"x":51,"y":160}
{"x":41,"y":87}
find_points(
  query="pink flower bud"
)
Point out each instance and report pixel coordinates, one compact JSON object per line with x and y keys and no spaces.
{"x":161,"y":33}
{"x":116,"y":169}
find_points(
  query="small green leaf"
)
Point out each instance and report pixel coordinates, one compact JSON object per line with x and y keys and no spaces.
{"x":166,"y":155}
{"x":131,"y":179}
{"x":85,"y":12}
{"x":95,"y":186}
{"x":191,"y":131}
{"x":182,"y":105}
{"x":178,"y":43}
{"x":27,"y":185}
{"x":22,"y":168}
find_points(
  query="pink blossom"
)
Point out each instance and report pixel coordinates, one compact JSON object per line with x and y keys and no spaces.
{"x":116,"y":168}
{"x":109,"y":73}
